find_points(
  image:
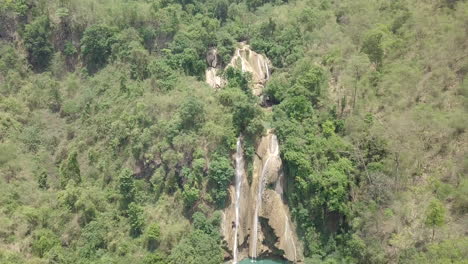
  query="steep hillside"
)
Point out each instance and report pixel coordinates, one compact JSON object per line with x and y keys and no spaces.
{"x":114,"y":149}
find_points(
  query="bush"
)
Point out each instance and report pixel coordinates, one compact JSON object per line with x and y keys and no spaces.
{"x":135,"y":218}
{"x":197,"y":247}
{"x":70,"y":170}
{"x":153,"y":236}
{"x":36,"y":40}
{"x":96,"y":45}
{"x":44,"y":240}
{"x":221,"y":173}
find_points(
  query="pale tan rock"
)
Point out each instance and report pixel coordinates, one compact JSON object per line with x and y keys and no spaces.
{"x":263,"y":197}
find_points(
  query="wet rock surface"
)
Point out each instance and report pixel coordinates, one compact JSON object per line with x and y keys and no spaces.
{"x":264,"y":226}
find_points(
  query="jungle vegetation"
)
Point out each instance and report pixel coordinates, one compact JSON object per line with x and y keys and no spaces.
{"x":114,"y":150}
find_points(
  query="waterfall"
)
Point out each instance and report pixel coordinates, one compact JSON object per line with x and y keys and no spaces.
{"x":252,"y":200}
{"x":286,"y":231}
{"x":242,"y":60}
{"x":267,"y":70}
{"x":239,"y":174}
{"x":273,"y":152}
{"x":260,"y":70}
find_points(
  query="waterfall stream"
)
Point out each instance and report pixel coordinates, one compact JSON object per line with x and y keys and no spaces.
{"x":252,"y":200}
{"x":273,"y":152}
{"x":239,"y":174}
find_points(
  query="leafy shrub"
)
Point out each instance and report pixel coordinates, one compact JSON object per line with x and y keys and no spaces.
{"x":44,"y":240}
{"x":96,"y":45}
{"x":36,"y":40}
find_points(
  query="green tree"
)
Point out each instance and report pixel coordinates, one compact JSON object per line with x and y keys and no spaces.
{"x":197,"y":247}
{"x":190,"y":195}
{"x":70,"y":169}
{"x":155,"y":258}
{"x":44,"y":240}
{"x":192,"y":113}
{"x":221,"y":10}
{"x":153,"y":236}
{"x":435,"y":215}
{"x":310,"y":83}
{"x":96,"y":45}
{"x":135,"y":218}
{"x":221,"y":173}
{"x":36,"y":41}
{"x":42,"y":180}
{"x":297,"y":107}
{"x":127,"y":187}
{"x":372,"y":46}
{"x":92,"y":239}
{"x":209,"y":226}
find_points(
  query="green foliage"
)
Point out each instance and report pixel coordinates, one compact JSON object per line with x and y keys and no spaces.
{"x":128,"y":49}
{"x":297,"y":108}
{"x":135,"y":218}
{"x":372,"y":46}
{"x":309,"y":83}
{"x":153,"y":236}
{"x":69,"y":49}
{"x":197,"y":247}
{"x":44,"y":241}
{"x":127,"y":187}
{"x":190,"y":195}
{"x":435,"y":215}
{"x":368,"y":103}
{"x":448,"y":251}
{"x":42,"y":180}
{"x":209,"y":226}
{"x":36,"y":41}
{"x":192,"y":113}
{"x":70,"y":169}
{"x":92,"y":239}
{"x":96,"y":45}
{"x":155,"y":258}
{"x":221,"y":173}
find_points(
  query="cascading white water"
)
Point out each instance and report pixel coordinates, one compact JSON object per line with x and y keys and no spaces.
{"x":242,"y":60}
{"x":273,"y":152}
{"x":267,"y":70}
{"x":286,"y":231}
{"x":239,"y":176}
{"x":260,"y":69}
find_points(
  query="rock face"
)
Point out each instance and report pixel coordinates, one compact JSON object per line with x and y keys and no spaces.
{"x":212,"y":72}
{"x":261,"y":226}
{"x":245,"y":59}
{"x":213,"y":78}
{"x":249,"y":61}
{"x":268,"y":176}
{"x":212,"y":57}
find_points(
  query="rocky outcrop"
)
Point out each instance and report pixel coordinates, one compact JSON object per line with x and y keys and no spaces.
{"x":268,"y":172}
{"x":212,"y":76}
{"x":212,"y":57}
{"x":262,"y":225}
{"x":249,"y":61}
{"x":245,"y":59}
{"x":213,"y":79}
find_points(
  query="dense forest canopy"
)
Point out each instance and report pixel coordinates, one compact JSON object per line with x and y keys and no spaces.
{"x":113,"y":149}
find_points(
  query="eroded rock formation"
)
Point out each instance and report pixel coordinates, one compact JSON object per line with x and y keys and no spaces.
{"x":212,"y":72}
{"x":249,"y":61}
{"x":245,"y":59}
{"x":262,"y":225}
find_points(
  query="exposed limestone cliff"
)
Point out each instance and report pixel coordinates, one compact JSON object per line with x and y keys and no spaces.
{"x":256,"y":64}
{"x":268,"y":171}
{"x":213,"y":78}
{"x":245,"y":59}
{"x":264,"y":226}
